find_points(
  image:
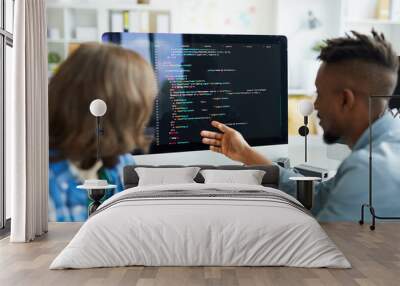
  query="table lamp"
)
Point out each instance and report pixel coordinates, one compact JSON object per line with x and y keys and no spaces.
{"x":98,"y":108}
{"x":305,"y":108}
{"x":96,"y":188}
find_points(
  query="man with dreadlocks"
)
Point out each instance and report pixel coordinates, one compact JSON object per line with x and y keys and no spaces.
{"x":352,"y":68}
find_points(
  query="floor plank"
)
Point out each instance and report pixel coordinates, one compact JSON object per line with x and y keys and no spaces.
{"x":374,"y":255}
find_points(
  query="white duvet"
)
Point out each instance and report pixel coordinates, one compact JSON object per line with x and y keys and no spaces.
{"x":200,"y":231}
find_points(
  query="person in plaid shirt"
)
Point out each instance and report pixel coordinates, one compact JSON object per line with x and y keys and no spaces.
{"x":66,"y":202}
{"x":126,"y":82}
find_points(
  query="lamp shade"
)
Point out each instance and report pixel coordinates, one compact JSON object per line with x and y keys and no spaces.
{"x":98,"y":107}
{"x":306,"y":107}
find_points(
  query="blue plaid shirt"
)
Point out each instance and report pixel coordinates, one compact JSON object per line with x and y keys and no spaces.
{"x":66,"y":202}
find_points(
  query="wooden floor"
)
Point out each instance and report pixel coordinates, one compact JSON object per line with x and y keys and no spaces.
{"x":375,"y":257}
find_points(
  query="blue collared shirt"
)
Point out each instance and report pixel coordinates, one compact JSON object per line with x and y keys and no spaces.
{"x":341,"y":197}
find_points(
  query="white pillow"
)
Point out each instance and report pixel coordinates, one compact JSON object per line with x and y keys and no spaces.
{"x":248,"y":177}
{"x":165,"y":176}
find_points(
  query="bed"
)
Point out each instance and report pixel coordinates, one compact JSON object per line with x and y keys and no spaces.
{"x":198,"y":224}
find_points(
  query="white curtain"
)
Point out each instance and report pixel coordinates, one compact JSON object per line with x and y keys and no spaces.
{"x":27,"y":124}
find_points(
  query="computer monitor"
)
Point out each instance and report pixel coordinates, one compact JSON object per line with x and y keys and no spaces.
{"x":240,"y":80}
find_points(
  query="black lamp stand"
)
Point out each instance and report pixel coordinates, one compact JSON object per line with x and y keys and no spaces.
{"x":370,"y":203}
{"x":303,"y":131}
{"x":96,"y":194}
{"x":99,"y":132}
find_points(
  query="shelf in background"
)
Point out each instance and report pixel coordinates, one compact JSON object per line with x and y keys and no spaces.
{"x":73,"y":22}
{"x":59,"y":41}
{"x":300,"y":91}
{"x":372,"y":22}
{"x":75,"y":40}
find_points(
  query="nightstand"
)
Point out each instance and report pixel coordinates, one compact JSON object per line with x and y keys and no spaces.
{"x":95,"y":193}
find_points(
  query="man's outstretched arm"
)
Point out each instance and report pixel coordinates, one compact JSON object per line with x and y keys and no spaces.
{"x":232,"y":144}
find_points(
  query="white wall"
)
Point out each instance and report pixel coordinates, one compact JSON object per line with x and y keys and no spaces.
{"x":292,"y":21}
{"x":224,"y":16}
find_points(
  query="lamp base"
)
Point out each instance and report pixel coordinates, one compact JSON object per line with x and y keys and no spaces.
{"x":374,"y":216}
{"x":305,"y":190}
{"x":96,"y":190}
{"x":305,"y":193}
{"x":95,"y":195}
